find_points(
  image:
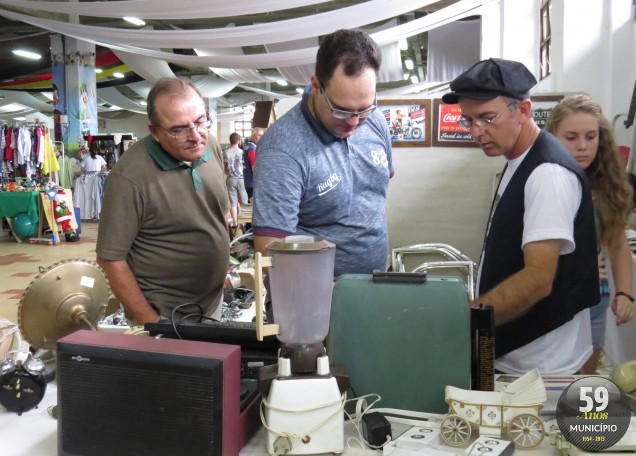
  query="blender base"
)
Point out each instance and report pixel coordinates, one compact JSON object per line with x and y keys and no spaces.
{"x":297,"y":408}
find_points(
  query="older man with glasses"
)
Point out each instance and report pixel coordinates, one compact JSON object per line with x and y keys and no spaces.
{"x":324,"y":167}
{"x":538,"y":268}
{"x":163,"y":239}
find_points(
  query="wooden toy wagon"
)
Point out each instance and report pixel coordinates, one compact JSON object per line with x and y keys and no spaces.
{"x":515,"y":408}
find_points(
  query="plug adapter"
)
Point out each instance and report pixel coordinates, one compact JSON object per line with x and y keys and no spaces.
{"x":375,"y":428}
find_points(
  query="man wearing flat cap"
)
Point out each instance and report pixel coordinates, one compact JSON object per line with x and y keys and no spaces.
{"x":538,"y":267}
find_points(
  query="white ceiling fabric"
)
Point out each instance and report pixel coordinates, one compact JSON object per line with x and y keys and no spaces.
{"x":237,"y":99}
{"x":232,"y":74}
{"x":454,"y":12}
{"x":249,"y":35}
{"x":141,"y":88}
{"x":25,"y":99}
{"x":240,"y":74}
{"x":212,"y":86}
{"x":415,"y":88}
{"x":163,"y":9}
{"x":300,"y":74}
{"x":295,"y":57}
{"x":148,"y":68}
{"x":265,"y":92}
{"x":113,"y":96}
{"x":13,"y":108}
{"x":242,"y":114}
{"x":449,"y":57}
{"x":291,"y":45}
{"x":391,"y":69}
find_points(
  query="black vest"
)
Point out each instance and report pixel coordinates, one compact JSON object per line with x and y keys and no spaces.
{"x":576,"y":285}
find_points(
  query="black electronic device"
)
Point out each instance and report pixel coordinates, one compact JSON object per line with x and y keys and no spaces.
{"x":254,"y":353}
{"x":376,"y":429}
{"x":22,"y":383}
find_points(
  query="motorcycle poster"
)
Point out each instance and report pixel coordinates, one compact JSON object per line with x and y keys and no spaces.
{"x":408,"y":121}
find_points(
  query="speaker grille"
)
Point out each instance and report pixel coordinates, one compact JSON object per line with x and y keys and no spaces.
{"x":126,"y":402}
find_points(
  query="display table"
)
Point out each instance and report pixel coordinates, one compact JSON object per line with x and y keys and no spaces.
{"x":244,"y":218}
{"x":34,"y":433}
{"x":36,"y":205}
{"x":14,"y":203}
{"x":245,"y":215}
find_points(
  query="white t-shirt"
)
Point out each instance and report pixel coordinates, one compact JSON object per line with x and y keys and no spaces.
{"x":552,"y":198}
{"x":94,"y":164}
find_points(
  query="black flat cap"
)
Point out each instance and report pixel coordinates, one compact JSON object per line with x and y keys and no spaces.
{"x":491,"y":78}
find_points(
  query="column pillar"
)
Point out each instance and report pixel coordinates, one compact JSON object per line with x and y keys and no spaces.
{"x":74,"y":91}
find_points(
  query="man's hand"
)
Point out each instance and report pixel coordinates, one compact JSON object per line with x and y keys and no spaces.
{"x":125,"y":288}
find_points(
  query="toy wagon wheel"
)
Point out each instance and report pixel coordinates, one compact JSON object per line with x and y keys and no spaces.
{"x":526,"y":430}
{"x":455,"y":430}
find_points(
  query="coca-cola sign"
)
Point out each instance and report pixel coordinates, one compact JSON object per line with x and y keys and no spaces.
{"x":450,"y":117}
{"x":447,"y":131}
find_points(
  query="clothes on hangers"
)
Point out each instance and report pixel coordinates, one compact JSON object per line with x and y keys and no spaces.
{"x":88,"y":193}
{"x":65,"y":173}
{"x":25,"y":150}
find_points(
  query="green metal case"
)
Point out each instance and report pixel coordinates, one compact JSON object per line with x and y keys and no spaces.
{"x":403,"y":341}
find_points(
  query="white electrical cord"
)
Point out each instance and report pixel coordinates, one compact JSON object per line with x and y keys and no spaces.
{"x":305,"y":437}
{"x":361,"y":409}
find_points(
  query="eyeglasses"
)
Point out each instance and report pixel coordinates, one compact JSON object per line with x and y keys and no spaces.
{"x":342,"y":114}
{"x":481,"y":123}
{"x":183,"y":134}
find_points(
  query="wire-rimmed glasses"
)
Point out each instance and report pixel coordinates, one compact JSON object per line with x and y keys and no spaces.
{"x":483,"y":122}
{"x":183,"y":134}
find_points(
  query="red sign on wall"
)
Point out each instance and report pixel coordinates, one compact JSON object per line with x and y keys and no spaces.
{"x":446,"y":130}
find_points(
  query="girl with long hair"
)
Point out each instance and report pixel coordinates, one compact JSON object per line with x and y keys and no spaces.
{"x":578,"y":122}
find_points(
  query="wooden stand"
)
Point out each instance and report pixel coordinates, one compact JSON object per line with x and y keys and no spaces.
{"x":39,"y":240}
{"x":46,"y":210}
{"x":17,"y":238}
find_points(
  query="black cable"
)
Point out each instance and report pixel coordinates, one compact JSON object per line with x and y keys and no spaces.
{"x":632,"y":110}
{"x":180,"y":306}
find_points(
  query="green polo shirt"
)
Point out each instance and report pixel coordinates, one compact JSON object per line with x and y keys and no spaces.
{"x":167,"y":220}
{"x":167,"y":162}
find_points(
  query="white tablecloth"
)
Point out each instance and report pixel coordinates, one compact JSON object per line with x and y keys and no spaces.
{"x":34,"y":433}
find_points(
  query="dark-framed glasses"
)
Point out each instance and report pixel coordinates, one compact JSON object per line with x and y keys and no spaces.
{"x":342,"y":114}
{"x":483,"y":122}
{"x":182,"y":134}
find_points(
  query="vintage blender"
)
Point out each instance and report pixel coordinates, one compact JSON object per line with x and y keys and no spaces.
{"x":303,"y":395}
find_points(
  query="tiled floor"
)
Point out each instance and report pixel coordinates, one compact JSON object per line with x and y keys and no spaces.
{"x":20,"y":263}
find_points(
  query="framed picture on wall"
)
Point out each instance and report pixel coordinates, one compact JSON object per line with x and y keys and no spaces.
{"x":543,"y":105}
{"x":446,"y":132}
{"x":409,"y":122}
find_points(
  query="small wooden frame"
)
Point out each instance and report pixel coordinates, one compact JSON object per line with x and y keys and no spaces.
{"x":446,"y":132}
{"x":409,"y":122}
{"x":542,"y":105}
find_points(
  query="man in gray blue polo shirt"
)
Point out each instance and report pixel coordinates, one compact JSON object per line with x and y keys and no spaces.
{"x":324,"y":167}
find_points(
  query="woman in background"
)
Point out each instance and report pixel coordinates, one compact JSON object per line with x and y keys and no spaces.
{"x":94,"y":162}
{"x":578,"y":122}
